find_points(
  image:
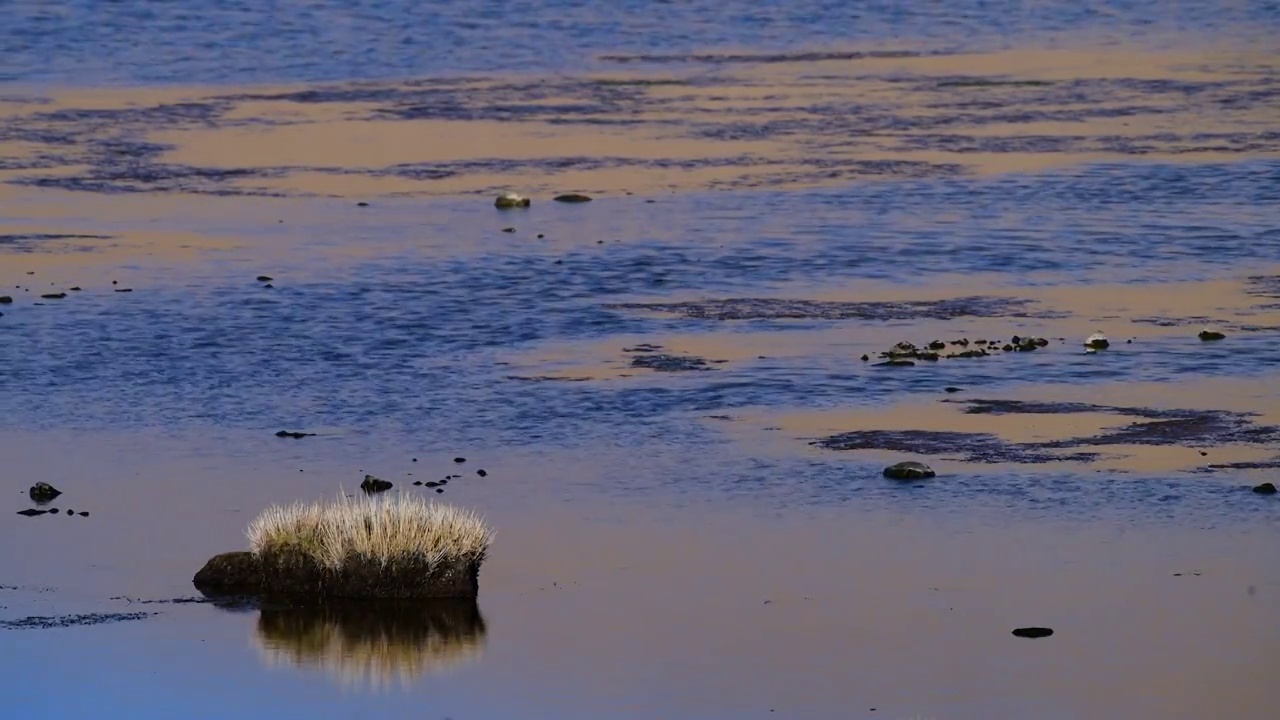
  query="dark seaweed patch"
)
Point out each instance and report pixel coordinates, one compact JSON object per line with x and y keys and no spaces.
{"x":662,"y":362}
{"x":970,"y":447}
{"x":37,"y":622}
{"x":782,"y":309}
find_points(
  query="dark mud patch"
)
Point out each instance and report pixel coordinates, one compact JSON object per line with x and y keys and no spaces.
{"x":782,"y":309}
{"x":38,"y":622}
{"x":969,"y":447}
{"x":761,"y":58}
{"x":1160,"y":427}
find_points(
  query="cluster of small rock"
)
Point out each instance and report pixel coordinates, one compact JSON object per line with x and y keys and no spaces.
{"x":41,"y":493}
{"x":904,"y":354}
{"x":373,"y":485}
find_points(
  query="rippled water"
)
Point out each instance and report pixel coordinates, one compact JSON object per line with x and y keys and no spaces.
{"x":86,"y":42}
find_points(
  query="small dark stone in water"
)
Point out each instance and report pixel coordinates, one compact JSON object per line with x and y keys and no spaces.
{"x":291,"y":434}
{"x":439,"y":490}
{"x":571,"y":198}
{"x":909,"y":471}
{"x":124,"y":289}
{"x":1033,"y":632}
{"x":865,"y":358}
{"x":1265,"y":489}
{"x":417,"y":482}
{"x":1007,"y":347}
{"x":895,"y":363}
{"x":508,"y":229}
{"x":540,"y":236}
{"x":5,"y":299}
{"x":268,"y":286}
{"x":444,"y":481}
{"x":373,"y":485}
{"x":53,"y":511}
{"x":1211,"y":335}
{"x":43,"y":492}
{"x":459,"y":459}
{"x":482,"y":473}
{"x":430,"y":484}
{"x":362,"y":204}
{"x":75,"y":289}
{"x":70,"y":511}
{"x":952,"y":389}
{"x":265,"y":278}
{"x":415,"y":460}
{"x":53,"y":296}
{"x":1203,"y":453}
{"x":84,"y":513}
{"x":452,"y":477}
{"x":32,"y":512}
{"x":114,"y":282}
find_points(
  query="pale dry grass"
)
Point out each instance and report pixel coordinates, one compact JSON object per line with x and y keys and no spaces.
{"x":404,"y":529}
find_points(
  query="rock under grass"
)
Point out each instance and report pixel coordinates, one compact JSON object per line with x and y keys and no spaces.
{"x":403,"y":547}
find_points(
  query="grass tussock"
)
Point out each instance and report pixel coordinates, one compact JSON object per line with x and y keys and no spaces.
{"x":403,"y":530}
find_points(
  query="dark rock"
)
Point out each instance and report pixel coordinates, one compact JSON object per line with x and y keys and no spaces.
{"x":508,"y":229}
{"x":1208,"y":334}
{"x":5,"y":299}
{"x":53,"y":511}
{"x":362,"y":204}
{"x":909,"y":471}
{"x":75,"y":289}
{"x":962,"y":342}
{"x":414,"y":460}
{"x":268,"y":286}
{"x":70,"y":511}
{"x":292,"y":434}
{"x":265,"y":278}
{"x":1033,"y":632}
{"x":84,"y":513}
{"x":895,"y":363}
{"x":937,"y":345}
{"x":459,"y":460}
{"x":124,"y":289}
{"x":292,"y":574}
{"x":373,"y":485}
{"x":1007,"y":347}
{"x":53,"y":296}
{"x":1265,"y":489}
{"x":865,"y":358}
{"x":230,"y":573}
{"x":439,"y":490}
{"x":43,"y":492}
{"x":952,"y":389}
{"x":431,"y":483}
{"x":417,"y":482}
{"x":572,"y":198}
{"x":445,"y":481}
{"x":32,"y":512}
{"x":482,"y":473}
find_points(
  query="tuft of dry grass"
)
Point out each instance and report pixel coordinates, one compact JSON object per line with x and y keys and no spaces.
{"x":386,"y":531}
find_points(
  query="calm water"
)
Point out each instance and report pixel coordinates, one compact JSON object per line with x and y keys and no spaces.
{"x":89,"y":42}
{"x":651,"y":562}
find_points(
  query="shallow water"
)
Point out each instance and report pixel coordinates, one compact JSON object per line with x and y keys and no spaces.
{"x":670,"y":544}
{"x":86,"y":43}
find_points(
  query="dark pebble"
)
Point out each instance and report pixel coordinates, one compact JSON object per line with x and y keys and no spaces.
{"x":439,"y":490}
{"x":5,"y":299}
{"x":430,"y":484}
{"x":84,"y":513}
{"x":417,"y":482}
{"x":482,"y":473}
{"x":865,"y":358}
{"x":70,"y":511}
{"x":459,"y":459}
{"x":540,"y":236}
{"x":1033,"y":632}
{"x":295,"y":435}
{"x":508,"y":230}
{"x":114,"y":282}
{"x":124,"y":289}
{"x":53,"y":511}
{"x":952,"y":389}
{"x":1265,"y":489}
{"x":75,"y":289}
{"x":362,"y":204}
{"x":268,"y":286}
{"x":443,"y":482}
{"x":31,"y":512}
{"x":415,"y":460}
{"x":53,"y":296}
{"x":571,"y":198}
{"x":1203,"y":453}
{"x":265,"y":278}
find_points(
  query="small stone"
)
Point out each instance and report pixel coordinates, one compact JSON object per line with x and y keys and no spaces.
{"x":1097,"y":341}
{"x":909,"y":471}
{"x":865,"y":358}
{"x":439,"y":490}
{"x":430,"y":484}
{"x":5,"y":299}
{"x":362,"y":204}
{"x":1265,"y":489}
{"x":31,"y":512}
{"x":414,"y":460}
{"x":572,"y":198}
{"x":937,"y":345}
{"x":1203,"y":453}
{"x":1033,"y":632}
{"x":53,"y":296}
{"x":43,"y":492}
{"x":84,"y":513}
{"x":459,"y":459}
{"x":1007,"y":347}
{"x":508,"y":229}
{"x":53,"y":511}
{"x":895,"y":363}
{"x":1208,"y":334}
{"x":444,"y":481}
{"x":114,"y":282}
{"x":124,"y":289}
{"x":417,"y":482}
{"x":373,"y":485}
{"x":70,"y":511}
{"x":77,"y":288}
{"x":265,"y":278}
{"x":540,"y":236}
{"x":511,"y":200}
{"x":482,"y":473}
{"x":268,"y":286}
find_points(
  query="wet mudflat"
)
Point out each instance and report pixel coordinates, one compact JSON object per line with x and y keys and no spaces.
{"x":659,"y":396}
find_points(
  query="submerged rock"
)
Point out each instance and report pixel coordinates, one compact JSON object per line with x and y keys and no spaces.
{"x":1033,"y":632}
{"x":895,"y":363}
{"x":292,"y":434}
{"x":373,"y":485}
{"x":1097,"y":341}
{"x":909,"y":471}
{"x":53,"y":296}
{"x":572,"y":198}
{"x":1211,"y":334}
{"x":1265,"y":489}
{"x":511,"y":200}
{"x":43,"y":492}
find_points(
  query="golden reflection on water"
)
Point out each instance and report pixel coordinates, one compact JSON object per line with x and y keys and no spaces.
{"x":372,"y":644}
